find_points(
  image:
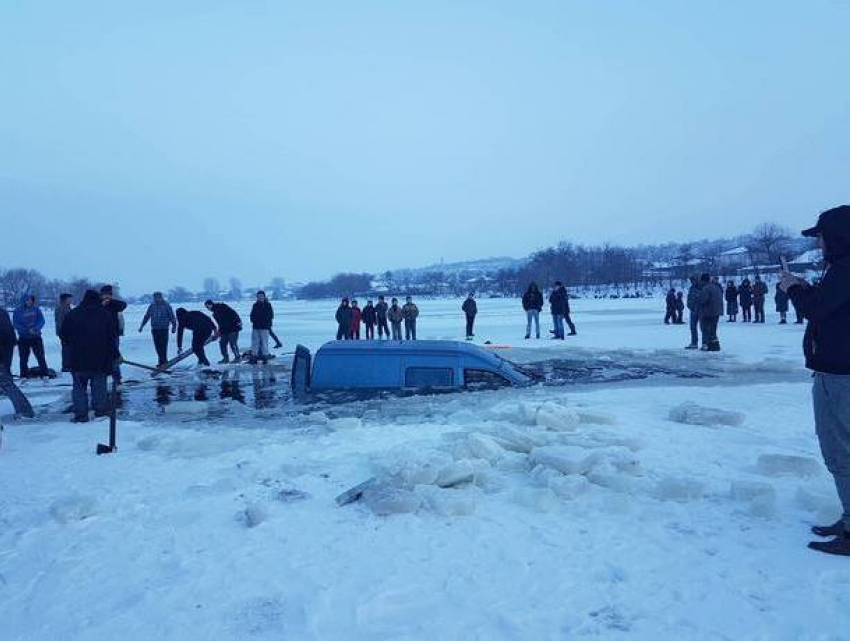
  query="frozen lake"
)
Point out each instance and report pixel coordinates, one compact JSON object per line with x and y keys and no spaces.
{"x":659,"y":507}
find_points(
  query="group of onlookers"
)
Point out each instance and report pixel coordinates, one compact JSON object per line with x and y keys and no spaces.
{"x":349,"y":318}
{"x":90,"y":338}
{"x":705,"y":301}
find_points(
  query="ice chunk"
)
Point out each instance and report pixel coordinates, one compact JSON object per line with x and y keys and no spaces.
{"x":384,"y":500}
{"x":527,"y":412}
{"x":411,"y":466}
{"x":596,"y":417}
{"x":556,"y":417}
{"x":456,"y":473}
{"x":447,"y":502}
{"x":186,"y":407}
{"x":608,"y":476}
{"x":788,"y":465}
{"x":680,"y":490}
{"x":751,"y":490}
{"x":620,"y":458}
{"x":693,"y":414}
{"x":484,"y":447}
{"x":253,"y":515}
{"x":73,"y":507}
{"x":346,"y":423}
{"x":763,"y":506}
{"x":512,"y":462}
{"x":567,"y":459}
{"x":318,"y":417}
{"x":568,"y":487}
{"x":291,"y":495}
{"x":516,"y":440}
{"x":539,"y":499}
{"x":815,"y":502}
{"x":464,"y":417}
{"x":356,"y":492}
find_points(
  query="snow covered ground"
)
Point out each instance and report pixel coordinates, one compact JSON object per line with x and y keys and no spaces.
{"x":663,"y":508}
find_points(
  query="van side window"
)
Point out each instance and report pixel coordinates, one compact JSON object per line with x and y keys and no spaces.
{"x":482,"y":379}
{"x":429,"y":377}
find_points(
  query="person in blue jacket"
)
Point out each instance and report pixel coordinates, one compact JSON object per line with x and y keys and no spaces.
{"x":28,"y":321}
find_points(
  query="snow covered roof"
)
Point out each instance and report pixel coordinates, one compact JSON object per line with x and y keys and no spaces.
{"x":736,"y":251}
{"x":811,"y":256}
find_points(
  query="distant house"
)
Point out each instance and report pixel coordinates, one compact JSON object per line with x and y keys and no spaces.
{"x":734,"y":258}
{"x":807,"y":261}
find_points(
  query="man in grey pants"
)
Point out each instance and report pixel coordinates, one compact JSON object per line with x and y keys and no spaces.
{"x":826,"y":346}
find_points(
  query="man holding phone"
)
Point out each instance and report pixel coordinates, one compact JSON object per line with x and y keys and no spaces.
{"x":826,"y":346}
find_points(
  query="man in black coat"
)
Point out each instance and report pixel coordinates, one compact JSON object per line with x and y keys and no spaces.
{"x":91,"y":335}
{"x":826,"y":346}
{"x":370,"y":317}
{"x":532,"y":304}
{"x":262,"y":317}
{"x":710,"y":306}
{"x":201,"y":327}
{"x":229,"y":325}
{"x":470,"y":310}
{"x":343,"y":319}
{"x":114,"y":307}
{"x":8,"y":340}
{"x":670,"y":300}
{"x":381,"y":311}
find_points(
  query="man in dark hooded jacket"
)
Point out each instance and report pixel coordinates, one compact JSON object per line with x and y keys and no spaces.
{"x":115,"y":307}
{"x":826,"y":345}
{"x":8,"y":340}
{"x":201,"y":327}
{"x":91,"y":335}
{"x":229,"y":325}
{"x":381,"y":310}
{"x":343,"y":319}
{"x":693,"y":308}
{"x":670,"y":300}
{"x":710,"y":305}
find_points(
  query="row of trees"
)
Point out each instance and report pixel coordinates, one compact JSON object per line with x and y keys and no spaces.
{"x":18,"y":282}
{"x":589,"y":267}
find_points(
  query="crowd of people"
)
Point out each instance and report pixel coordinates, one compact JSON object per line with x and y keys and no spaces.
{"x":707,"y":301}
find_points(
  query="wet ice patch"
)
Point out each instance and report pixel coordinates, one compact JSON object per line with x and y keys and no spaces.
{"x":692,"y":414}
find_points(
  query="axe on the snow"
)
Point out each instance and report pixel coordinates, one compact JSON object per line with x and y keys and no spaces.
{"x":113,"y":424}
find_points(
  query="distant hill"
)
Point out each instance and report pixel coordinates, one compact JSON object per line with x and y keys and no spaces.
{"x":480,"y":266}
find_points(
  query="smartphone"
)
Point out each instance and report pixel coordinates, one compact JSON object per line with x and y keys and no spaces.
{"x":784,"y":264}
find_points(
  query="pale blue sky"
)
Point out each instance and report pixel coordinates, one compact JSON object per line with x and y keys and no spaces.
{"x":156,"y":143}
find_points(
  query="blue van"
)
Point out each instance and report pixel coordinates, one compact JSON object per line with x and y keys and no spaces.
{"x":408,"y":365}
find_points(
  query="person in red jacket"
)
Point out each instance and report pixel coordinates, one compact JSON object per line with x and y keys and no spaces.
{"x":356,"y":317}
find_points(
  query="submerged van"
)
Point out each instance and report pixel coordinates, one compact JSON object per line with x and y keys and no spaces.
{"x":408,"y":365}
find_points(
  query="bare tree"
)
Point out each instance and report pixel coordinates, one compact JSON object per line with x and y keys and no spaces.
{"x":768,"y":240}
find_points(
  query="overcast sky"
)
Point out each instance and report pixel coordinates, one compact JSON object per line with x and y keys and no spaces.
{"x":155,"y":143}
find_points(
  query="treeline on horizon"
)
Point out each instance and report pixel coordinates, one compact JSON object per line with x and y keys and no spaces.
{"x":580,"y":266}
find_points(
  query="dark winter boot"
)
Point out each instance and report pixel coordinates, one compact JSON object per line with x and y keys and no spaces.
{"x":80,"y":419}
{"x":840,"y":545}
{"x":224,"y":361}
{"x":835,"y":529}
{"x":692,"y":346}
{"x":527,"y":336}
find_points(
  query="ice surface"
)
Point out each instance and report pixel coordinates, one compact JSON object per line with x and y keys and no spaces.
{"x":788,"y":465}
{"x":186,"y":407}
{"x":692,"y":414}
{"x":511,"y":550}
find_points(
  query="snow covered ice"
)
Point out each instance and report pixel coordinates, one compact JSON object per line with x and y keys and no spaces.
{"x":558,"y":511}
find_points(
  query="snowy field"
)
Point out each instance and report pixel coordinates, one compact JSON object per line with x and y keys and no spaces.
{"x":665,"y":508}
